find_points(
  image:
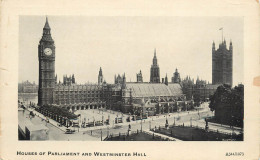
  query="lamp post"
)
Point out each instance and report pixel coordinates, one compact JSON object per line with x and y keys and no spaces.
{"x":101,"y":134}
{"x":141,"y":120}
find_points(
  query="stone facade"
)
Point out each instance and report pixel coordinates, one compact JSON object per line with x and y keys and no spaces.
{"x":67,"y":94}
{"x":46,"y":55}
{"x":222,"y":62}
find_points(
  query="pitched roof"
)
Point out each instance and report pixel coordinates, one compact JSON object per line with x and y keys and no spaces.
{"x":154,"y":89}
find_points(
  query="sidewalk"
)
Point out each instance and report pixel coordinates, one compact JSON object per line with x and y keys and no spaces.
{"x":222,"y":125}
{"x":51,"y":121}
{"x":201,"y":123}
{"x":153,"y":118}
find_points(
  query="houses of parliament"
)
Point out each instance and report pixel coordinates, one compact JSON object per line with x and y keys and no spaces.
{"x":159,"y":92}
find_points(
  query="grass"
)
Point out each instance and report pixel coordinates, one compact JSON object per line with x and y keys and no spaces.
{"x":141,"y":136}
{"x":197,"y":134}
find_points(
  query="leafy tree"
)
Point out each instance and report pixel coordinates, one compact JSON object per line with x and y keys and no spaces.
{"x":228,"y":104}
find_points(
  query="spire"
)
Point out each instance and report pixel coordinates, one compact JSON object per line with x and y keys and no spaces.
{"x":47,"y":32}
{"x":100,"y":72}
{"x":155,"y":58}
{"x":166,"y":80}
{"x":47,"y":26}
{"x":230,"y":45}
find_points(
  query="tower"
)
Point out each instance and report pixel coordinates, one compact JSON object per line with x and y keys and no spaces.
{"x":176,"y":77}
{"x":46,"y":57}
{"x":222,"y":64}
{"x":73,"y":79}
{"x":155,"y":70}
{"x":100,"y":76}
{"x":139,"y":77}
{"x":124,"y":82}
{"x":166,"y":80}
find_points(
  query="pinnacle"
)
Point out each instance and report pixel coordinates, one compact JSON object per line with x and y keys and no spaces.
{"x":47,"y":26}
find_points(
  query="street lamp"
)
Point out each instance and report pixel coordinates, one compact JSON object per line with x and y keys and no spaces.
{"x":141,"y":120}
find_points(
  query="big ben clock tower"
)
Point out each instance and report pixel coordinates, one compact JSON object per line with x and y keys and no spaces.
{"x":46,"y":55}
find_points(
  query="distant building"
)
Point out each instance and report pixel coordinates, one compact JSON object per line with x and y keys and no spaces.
{"x":222,"y":62}
{"x":27,"y":87}
{"x":68,"y":80}
{"x":176,"y":77}
{"x":198,"y":91}
{"x":118,"y":79}
{"x":155,"y":70}
{"x":139,"y":77}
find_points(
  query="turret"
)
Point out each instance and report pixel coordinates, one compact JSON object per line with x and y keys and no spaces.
{"x":100,"y":76}
{"x":155,"y":58}
{"x":139,"y":77}
{"x":56,"y":79}
{"x":115,"y":80}
{"x":166,"y":80}
{"x":230,"y":46}
{"x":213,"y":47}
{"x":124,"y":82}
{"x":73,"y":79}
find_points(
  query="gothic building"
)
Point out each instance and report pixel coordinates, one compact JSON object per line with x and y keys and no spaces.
{"x":67,"y":94}
{"x":46,"y":57}
{"x":176,"y":77}
{"x":139,"y":77}
{"x":155,"y":70}
{"x":222,"y":62}
{"x":199,"y":90}
{"x":125,"y":96}
{"x":68,"y":80}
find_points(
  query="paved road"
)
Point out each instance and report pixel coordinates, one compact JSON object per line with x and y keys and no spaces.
{"x":94,"y":133}
{"x":55,"y":133}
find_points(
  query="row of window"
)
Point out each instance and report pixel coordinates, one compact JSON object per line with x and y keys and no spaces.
{"x":84,"y":96}
{"x":78,"y":92}
{"x":76,"y":101}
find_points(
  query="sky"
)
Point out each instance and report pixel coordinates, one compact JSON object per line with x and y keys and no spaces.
{"x":126,"y":45}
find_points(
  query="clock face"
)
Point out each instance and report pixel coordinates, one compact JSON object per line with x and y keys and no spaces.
{"x":47,"y":51}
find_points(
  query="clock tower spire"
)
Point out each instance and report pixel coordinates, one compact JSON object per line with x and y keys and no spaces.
{"x":46,"y":57}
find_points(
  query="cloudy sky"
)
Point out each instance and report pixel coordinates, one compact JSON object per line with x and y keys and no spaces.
{"x":126,"y":44}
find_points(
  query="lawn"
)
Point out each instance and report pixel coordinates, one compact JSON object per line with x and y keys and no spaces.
{"x":141,"y":136}
{"x":197,"y":134}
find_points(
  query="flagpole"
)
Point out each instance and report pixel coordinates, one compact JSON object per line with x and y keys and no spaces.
{"x":222,"y":35}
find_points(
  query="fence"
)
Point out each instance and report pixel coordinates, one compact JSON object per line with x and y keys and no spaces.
{"x":134,"y":133}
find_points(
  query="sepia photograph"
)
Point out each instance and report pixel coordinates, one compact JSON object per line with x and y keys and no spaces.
{"x":130,"y":78}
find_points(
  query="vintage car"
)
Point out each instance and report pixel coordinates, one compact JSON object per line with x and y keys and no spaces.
{"x":69,"y":131}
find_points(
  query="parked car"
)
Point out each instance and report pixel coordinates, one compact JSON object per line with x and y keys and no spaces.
{"x":69,"y":131}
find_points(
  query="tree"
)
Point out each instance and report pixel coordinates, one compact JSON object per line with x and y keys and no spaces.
{"x":228,"y":104}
